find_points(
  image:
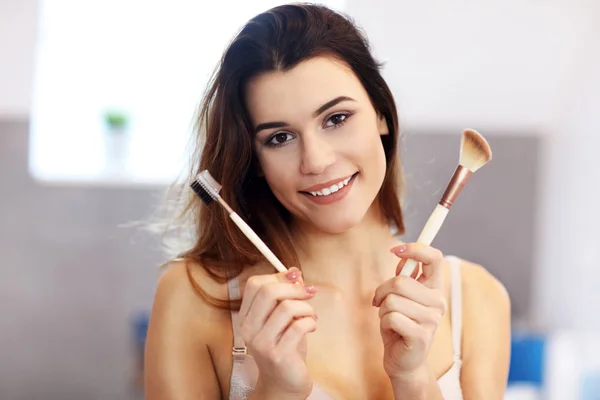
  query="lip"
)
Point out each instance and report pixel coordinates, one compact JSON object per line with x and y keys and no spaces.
{"x":333,"y":197}
{"x":327,"y":184}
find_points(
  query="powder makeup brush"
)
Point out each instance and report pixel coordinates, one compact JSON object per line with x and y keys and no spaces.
{"x":207,"y":188}
{"x":475,"y":152}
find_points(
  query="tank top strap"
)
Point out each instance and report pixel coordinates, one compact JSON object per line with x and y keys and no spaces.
{"x":239,"y":346}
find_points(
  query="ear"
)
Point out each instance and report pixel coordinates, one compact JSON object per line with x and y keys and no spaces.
{"x":382,"y":127}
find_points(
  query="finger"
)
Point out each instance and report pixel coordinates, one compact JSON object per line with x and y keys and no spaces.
{"x":400,"y":324}
{"x":407,"y":287}
{"x":266,"y":300}
{"x":417,"y":312}
{"x":433,"y":275}
{"x":254,"y":283}
{"x":294,"y":333}
{"x":430,"y":258}
{"x":283,"y":315}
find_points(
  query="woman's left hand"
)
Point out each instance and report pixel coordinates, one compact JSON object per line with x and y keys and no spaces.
{"x":410,"y":311}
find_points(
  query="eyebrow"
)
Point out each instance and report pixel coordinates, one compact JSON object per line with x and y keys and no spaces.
{"x":316,"y":113}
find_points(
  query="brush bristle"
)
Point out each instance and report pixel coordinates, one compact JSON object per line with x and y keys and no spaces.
{"x":475,"y":151}
{"x":199,"y":190}
{"x":206,"y":187}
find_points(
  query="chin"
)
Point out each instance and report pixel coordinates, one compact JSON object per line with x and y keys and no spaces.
{"x":336,"y":224}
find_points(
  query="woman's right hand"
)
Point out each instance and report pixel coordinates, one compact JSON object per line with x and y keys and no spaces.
{"x":275,"y":320}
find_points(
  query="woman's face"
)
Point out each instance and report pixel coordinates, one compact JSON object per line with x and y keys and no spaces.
{"x":317,"y":139}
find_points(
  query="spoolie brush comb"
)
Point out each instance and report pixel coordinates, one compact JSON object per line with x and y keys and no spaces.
{"x":207,"y":188}
{"x":475,"y":152}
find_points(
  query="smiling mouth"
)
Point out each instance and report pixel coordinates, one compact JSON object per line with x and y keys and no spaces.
{"x":333,"y":188}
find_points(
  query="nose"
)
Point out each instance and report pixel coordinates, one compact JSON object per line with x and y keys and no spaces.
{"x":317,"y":154}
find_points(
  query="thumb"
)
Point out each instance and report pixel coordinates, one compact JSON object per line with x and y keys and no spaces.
{"x":432,"y":276}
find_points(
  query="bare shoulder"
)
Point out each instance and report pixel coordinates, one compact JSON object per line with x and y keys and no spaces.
{"x":182,"y":329}
{"x":177,"y":287}
{"x":481,"y":290}
{"x":177,"y":300}
{"x":486,"y":333}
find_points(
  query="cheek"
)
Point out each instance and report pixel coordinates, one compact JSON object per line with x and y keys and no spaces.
{"x":368,"y":148}
{"x":278,"y":170}
{"x":379,"y":157}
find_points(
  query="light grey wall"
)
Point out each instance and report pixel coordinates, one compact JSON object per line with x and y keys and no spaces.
{"x":18,"y":35}
{"x":72,"y":279}
{"x":492,"y":222}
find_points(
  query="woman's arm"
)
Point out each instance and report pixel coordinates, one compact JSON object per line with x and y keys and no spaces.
{"x":177,"y":362}
{"x":486,"y":335}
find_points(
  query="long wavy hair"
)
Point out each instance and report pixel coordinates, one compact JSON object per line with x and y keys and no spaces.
{"x":275,"y":40}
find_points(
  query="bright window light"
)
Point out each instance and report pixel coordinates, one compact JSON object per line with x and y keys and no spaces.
{"x":148,"y":60}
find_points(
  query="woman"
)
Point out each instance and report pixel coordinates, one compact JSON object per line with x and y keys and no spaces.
{"x":301,"y":130}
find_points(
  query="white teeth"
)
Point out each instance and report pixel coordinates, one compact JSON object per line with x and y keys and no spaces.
{"x":332,"y":189}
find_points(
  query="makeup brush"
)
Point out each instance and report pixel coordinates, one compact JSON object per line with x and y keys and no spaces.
{"x":207,"y":188}
{"x":475,"y":152}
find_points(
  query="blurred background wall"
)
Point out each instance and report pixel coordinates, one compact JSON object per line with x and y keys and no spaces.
{"x":526,"y":74}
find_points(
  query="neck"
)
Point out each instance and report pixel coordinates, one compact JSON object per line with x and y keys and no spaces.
{"x":351,"y":260}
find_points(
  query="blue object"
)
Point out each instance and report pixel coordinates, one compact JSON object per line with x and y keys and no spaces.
{"x":590,"y":385}
{"x":527,"y":359}
{"x":140,"y":328}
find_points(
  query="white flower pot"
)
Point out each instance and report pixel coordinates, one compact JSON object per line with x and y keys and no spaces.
{"x":116,"y":151}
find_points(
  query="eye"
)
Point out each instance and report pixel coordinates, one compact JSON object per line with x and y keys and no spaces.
{"x":279,"y":139}
{"x":336,"y":120}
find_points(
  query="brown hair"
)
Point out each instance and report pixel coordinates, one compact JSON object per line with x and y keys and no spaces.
{"x":277,"y":39}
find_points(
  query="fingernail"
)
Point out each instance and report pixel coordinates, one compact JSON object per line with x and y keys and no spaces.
{"x":373,"y":302}
{"x":399,"y":249}
{"x":310,"y":289}
{"x":292,"y":274}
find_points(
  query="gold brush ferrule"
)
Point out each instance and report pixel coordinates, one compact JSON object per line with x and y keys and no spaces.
{"x":457,"y":183}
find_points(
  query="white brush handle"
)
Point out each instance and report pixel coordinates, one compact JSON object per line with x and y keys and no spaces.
{"x":432,"y":227}
{"x":260,"y":245}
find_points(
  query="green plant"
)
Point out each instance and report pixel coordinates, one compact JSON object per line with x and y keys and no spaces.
{"x":115,"y":120}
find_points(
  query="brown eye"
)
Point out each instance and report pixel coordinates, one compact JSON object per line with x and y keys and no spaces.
{"x":279,"y":139}
{"x":336,"y":120}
